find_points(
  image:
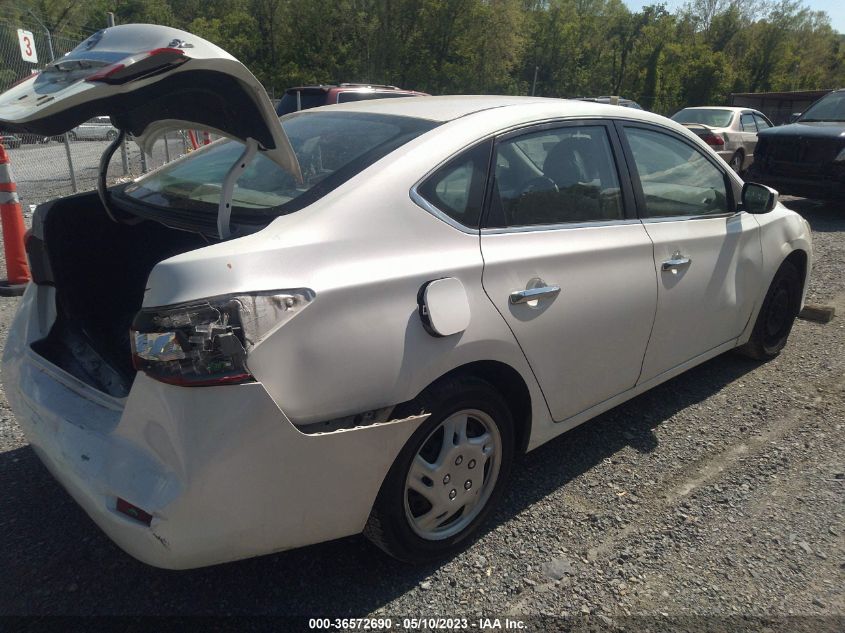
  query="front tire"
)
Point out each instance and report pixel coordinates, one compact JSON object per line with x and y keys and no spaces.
{"x":777,"y":314}
{"x":449,"y":475}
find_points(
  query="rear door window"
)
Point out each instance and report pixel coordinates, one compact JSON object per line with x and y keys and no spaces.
{"x":457,"y":188}
{"x":762,"y":122}
{"x":555,"y":176}
{"x":747,"y":123}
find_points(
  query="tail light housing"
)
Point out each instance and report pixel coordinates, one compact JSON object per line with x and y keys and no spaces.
{"x":713,"y":140}
{"x":207,"y":342}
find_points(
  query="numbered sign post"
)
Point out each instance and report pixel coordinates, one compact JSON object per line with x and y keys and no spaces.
{"x":27,"y":43}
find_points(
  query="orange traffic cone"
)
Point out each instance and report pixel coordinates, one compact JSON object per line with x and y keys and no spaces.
{"x":13,"y":231}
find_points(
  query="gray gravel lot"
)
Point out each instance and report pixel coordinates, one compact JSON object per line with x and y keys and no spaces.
{"x":718,"y":493}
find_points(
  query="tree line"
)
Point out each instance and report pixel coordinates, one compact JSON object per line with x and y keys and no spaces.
{"x":665,"y":60}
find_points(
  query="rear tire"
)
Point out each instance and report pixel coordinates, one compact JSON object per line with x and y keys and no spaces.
{"x":777,"y":314}
{"x":449,"y":475}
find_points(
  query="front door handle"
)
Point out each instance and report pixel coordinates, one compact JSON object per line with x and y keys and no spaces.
{"x":677,"y":261}
{"x":533,"y":294}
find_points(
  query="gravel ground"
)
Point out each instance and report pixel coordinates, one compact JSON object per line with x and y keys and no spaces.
{"x":719,"y":493}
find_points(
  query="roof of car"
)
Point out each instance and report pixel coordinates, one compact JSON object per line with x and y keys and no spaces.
{"x":447,"y":108}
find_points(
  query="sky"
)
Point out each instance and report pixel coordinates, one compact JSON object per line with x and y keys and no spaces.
{"x":834,"y":8}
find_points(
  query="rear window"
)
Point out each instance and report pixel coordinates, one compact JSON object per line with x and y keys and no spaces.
{"x":331,"y":149}
{"x":711,"y":118}
{"x":306,"y":99}
{"x":347,"y":97}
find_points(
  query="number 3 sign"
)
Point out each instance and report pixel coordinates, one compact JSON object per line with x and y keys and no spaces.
{"x":27,"y":43}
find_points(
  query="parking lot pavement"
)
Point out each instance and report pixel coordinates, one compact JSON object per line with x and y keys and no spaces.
{"x":718,"y":493}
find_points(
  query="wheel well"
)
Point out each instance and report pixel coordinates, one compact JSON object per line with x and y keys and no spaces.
{"x":509,"y":382}
{"x":798,"y":258}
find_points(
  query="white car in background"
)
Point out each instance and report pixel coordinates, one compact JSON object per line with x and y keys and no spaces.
{"x":353,"y":318}
{"x":97,"y":129}
{"x":730,"y":131}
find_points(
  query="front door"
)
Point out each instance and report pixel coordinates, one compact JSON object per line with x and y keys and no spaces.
{"x":567,"y":264}
{"x":707,"y":257}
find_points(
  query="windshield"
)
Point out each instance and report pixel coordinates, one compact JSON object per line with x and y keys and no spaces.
{"x":829,"y":108}
{"x":710,"y":118}
{"x":331,"y":149}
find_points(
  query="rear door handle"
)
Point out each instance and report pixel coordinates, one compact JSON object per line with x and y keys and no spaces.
{"x":533,"y":294}
{"x":677,"y":261}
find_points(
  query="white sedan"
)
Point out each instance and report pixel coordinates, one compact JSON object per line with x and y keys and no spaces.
{"x":97,"y":129}
{"x":353,"y":318}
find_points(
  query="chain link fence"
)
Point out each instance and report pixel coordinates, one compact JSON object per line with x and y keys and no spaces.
{"x":47,"y":168}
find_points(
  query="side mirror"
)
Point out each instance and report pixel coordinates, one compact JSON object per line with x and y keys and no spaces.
{"x":758,"y":198}
{"x":794,"y":116}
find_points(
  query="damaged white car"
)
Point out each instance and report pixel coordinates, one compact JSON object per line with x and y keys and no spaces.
{"x":351,"y":319}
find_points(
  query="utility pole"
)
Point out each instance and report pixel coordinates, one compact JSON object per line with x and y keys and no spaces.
{"x":46,"y":31}
{"x":534,"y":85}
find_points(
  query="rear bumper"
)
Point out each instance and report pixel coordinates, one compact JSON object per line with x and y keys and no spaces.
{"x":223,"y":472}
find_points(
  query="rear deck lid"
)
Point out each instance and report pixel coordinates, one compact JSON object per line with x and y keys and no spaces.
{"x":148,"y":79}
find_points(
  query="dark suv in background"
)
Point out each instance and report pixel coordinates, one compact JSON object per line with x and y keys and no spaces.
{"x":805,"y":158}
{"x":304,"y":97}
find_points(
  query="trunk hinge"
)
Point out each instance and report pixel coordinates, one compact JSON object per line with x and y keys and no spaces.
{"x":224,"y":208}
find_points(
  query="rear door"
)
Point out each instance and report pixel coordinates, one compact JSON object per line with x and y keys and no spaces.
{"x":749,"y":136}
{"x":762,"y":124}
{"x":707,"y":256}
{"x":566,"y":262}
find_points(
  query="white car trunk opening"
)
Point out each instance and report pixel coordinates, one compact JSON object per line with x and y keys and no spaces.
{"x":99,"y":269}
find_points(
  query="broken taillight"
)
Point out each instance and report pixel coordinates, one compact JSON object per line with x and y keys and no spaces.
{"x":206,"y":342}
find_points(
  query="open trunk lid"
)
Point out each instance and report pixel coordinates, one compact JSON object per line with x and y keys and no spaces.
{"x":699,"y":129}
{"x":149,"y":79}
